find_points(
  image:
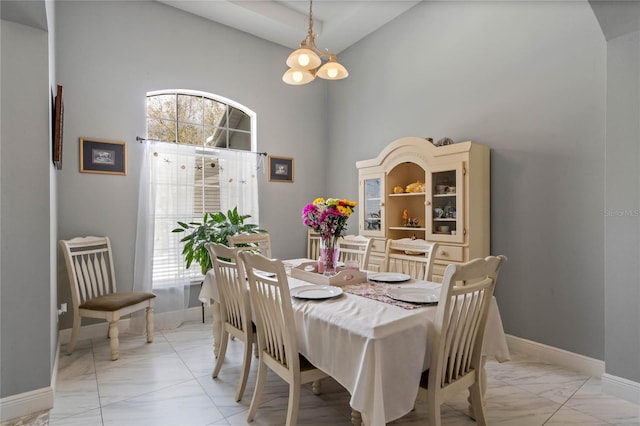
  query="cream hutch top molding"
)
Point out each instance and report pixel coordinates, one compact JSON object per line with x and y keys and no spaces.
{"x":441,"y":194}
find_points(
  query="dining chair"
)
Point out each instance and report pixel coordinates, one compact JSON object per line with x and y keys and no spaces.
{"x":255,"y":242}
{"x":277,"y":342}
{"x":94,"y":294}
{"x":413,"y":257}
{"x":313,"y":244}
{"x":235,"y":308}
{"x":355,"y":248}
{"x":459,"y":326}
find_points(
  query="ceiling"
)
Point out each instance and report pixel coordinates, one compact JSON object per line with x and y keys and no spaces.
{"x":338,"y":23}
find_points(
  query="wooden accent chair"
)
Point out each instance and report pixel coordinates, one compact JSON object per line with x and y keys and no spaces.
{"x":461,"y":318}
{"x":355,"y":248}
{"x":93,"y":289}
{"x":277,"y":342}
{"x":235,"y":308}
{"x":411,"y":257}
{"x":254,"y":242}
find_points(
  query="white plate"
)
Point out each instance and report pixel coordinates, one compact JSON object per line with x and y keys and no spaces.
{"x":389,"y":277}
{"x":316,"y":291}
{"x":414,"y":294}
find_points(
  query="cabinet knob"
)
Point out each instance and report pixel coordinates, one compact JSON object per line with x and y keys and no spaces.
{"x":443,"y":253}
{"x":382,"y":204}
{"x":428,"y":203}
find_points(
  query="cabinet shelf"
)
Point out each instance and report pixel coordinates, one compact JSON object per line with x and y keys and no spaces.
{"x":408,"y":194}
{"x":407,"y":228}
{"x":453,"y":194}
{"x":444,"y":219}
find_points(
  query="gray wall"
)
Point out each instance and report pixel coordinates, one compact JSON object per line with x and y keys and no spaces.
{"x":109,"y":56}
{"x":622,"y":208}
{"x":27,"y":335}
{"x":528,"y":80}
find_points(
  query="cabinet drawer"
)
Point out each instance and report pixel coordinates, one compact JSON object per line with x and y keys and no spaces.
{"x":376,"y":263}
{"x":379,"y":245}
{"x":438,"y":272}
{"x":450,"y":253}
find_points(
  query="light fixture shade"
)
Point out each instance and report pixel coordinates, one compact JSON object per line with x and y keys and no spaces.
{"x":297,"y":77}
{"x":304,"y":59}
{"x":332,"y":70}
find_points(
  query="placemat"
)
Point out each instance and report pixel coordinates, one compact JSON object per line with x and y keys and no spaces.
{"x":377,"y":291}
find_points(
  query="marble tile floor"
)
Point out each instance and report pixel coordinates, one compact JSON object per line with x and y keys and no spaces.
{"x":168,"y":383}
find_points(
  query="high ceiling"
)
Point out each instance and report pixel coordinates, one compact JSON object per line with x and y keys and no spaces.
{"x":338,"y":23}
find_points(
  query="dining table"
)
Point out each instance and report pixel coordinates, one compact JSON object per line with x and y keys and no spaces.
{"x":375,"y":346}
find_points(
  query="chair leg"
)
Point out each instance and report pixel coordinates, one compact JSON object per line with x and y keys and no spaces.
{"x":316,"y":387}
{"x":222,"y":351}
{"x":149,"y":317}
{"x":216,"y":327}
{"x":257,"y":391}
{"x":477,"y":403}
{"x":433,"y":409}
{"x":246,"y":363}
{"x":294,"y":402}
{"x":114,"y":342}
{"x":356,"y":418}
{"x":75,"y":332}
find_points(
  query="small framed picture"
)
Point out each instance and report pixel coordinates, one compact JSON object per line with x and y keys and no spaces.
{"x":103,"y":156}
{"x":280,"y":169}
{"x":58,"y":113}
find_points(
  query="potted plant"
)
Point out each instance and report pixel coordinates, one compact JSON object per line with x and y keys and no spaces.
{"x":215,"y":228}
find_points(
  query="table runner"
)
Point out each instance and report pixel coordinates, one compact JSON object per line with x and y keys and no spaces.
{"x":378,"y":291}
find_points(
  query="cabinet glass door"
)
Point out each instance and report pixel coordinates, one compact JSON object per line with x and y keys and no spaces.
{"x":446,"y":184}
{"x":372,"y":206}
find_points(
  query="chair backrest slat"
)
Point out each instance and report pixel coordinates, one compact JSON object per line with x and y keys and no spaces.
{"x":273,"y":313}
{"x":355,"y":248}
{"x":461,"y":319}
{"x":313,"y":244}
{"x":89,"y":262}
{"x":260,"y":243}
{"x":413,"y":257}
{"x":235,"y":307}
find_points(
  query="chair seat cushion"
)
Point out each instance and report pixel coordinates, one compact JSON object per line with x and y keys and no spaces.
{"x":114,"y":301}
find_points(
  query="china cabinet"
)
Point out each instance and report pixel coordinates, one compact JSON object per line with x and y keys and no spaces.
{"x":441,"y":194}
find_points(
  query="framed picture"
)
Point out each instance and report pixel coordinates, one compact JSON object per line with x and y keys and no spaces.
{"x":103,"y":156}
{"x":280,"y":169}
{"x":58,"y":112}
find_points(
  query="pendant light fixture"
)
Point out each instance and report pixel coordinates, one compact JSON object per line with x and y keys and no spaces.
{"x":306,"y":62}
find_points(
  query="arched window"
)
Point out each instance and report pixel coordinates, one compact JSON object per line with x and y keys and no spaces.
{"x":199,"y":157}
{"x":207,"y":121}
{"x":200,"y":119}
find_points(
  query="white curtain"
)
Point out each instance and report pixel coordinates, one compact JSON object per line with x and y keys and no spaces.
{"x":165,"y":197}
{"x":239,"y":183}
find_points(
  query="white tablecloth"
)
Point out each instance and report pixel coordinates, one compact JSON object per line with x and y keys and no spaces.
{"x":376,"y":350}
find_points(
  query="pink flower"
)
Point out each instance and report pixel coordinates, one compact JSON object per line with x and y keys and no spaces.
{"x":328,"y":218}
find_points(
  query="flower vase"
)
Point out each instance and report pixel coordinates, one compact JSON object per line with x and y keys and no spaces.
{"x":329,"y":253}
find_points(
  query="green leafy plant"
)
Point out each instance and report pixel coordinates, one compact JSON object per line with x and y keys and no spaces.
{"x":214,"y":228}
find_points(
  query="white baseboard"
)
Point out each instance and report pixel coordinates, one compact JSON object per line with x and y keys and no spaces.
{"x":26,"y":403}
{"x":583,"y":364}
{"x":621,"y":388}
{"x":101,"y":329}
